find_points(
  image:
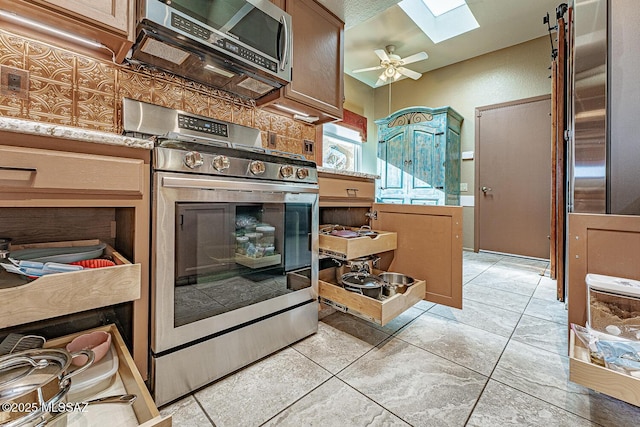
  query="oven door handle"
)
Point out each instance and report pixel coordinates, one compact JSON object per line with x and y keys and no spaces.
{"x":220,"y":184}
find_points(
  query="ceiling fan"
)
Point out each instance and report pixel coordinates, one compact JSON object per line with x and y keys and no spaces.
{"x":393,"y":65}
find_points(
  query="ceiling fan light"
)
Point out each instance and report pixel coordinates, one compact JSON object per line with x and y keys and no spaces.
{"x":397,"y":75}
{"x":390,"y":72}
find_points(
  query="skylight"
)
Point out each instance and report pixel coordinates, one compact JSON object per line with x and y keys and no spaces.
{"x":438,"y":7}
{"x":440,"y":19}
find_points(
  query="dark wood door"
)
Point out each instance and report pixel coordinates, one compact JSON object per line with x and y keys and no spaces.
{"x":513,"y":177}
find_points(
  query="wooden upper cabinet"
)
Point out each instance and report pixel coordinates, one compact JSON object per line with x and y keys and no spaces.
{"x":317,"y":83}
{"x":109,"y":22}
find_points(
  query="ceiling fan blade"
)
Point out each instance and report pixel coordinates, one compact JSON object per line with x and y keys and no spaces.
{"x":414,"y":58}
{"x":409,"y":73}
{"x":361,"y":70}
{"x":382,"y":54}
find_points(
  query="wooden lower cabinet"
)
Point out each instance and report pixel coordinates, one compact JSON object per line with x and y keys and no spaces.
{"x":143,"y":412}
{"x":608,"y":245}
{"x":427,"y":247}
{"x":58,"y":190}
{"x":582,"y":371}
{"x":373,"y":310}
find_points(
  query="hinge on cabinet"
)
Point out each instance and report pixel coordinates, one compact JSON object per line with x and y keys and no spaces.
{"x":372,"y":215}
{"x":567,"y":134}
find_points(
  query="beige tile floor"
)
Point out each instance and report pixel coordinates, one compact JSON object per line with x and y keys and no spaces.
{"x":500,"y":361}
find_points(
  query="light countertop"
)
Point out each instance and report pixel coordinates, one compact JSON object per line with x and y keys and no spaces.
{"x":8,"y":124}
{"x":348,"y":173}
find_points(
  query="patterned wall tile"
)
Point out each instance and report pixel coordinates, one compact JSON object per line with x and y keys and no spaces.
{"x":194,"y":101}
{"x":71,"y":89}
{"x":11,"y":106}
{"x":221,"y":108}
{"x":50,"y":99}
{"x":12,"y":50}
{"x":167,"y":93}
{"x":96,"y":109}
{"x":134,"y":85}
{"x":279,"y":124}
{"x":242,"y":114}
{"x":94,"y":75}
{"x":262,"y":120}
{"x":51,"y":64}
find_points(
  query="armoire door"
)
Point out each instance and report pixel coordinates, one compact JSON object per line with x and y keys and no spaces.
{"x":411,"y":166}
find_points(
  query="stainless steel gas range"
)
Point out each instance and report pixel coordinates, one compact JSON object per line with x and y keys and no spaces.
{"x":234,"y":247}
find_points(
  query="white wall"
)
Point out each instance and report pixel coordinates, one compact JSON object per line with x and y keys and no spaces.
{"x":509,"y":74}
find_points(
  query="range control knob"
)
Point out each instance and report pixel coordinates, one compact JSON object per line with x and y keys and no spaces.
{"x":302,"y":173}
{"x":257,"y":167}
{"x":193,"y":159}
{"x":220,"y":163}
{"x":286,"y":171}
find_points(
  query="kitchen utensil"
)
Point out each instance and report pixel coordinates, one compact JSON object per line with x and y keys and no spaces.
{"x":13,"y":343}
{"x":344,"y":233}
{"x":362,"y":283}
{"x":357,"y":265}
{"x":51,"y":418}
{"x":5,"y":247}
{"x":395,"y":283}
{"x":98,"y":341}
{"x":38,"y":377}
{"x":60,"y":254}
{"x":94,"y":263}
{"x":365,"y":230}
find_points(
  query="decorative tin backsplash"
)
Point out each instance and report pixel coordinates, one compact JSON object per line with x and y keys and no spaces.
{"x":74,"y":90}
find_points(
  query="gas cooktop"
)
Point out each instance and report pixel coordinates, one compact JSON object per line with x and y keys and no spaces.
{"x":189,"y":143}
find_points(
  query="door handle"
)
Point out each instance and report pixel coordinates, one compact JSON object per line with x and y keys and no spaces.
{"x":485,"y":189}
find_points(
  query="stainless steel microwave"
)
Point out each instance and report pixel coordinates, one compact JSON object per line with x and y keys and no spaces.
{"x":240,"y":46}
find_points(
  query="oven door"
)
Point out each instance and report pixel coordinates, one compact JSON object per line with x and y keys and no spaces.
{"x":224,"y":251}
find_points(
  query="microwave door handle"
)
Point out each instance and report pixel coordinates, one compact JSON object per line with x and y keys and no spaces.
{"x":284,"y":59}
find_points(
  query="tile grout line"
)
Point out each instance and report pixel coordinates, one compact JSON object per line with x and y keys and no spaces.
{"x":489,"y":378}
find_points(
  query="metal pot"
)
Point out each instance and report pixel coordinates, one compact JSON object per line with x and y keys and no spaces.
{"x":363,"y":283}
{"x":37,"y":378}
{"x":356,"y":265}
{"x":395,"y":283}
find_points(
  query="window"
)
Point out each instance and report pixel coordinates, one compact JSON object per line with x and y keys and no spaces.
{"x":341,"y":148}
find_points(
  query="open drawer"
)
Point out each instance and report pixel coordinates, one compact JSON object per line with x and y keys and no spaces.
{"x":127,"y":380}
{"x":373,"y":310}
{"x":65,"y":293}
{"x":356,"y":247}
{"x":599,"y":378}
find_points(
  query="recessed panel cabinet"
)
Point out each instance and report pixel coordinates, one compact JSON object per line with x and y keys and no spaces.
{"x":316,"y":87}
{"x":109,"y":22}
{"x":427,"y":245}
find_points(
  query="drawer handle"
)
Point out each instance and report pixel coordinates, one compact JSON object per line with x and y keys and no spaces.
{"x":352,"y":192}
{"x":14,"y":169}
{"x":10,"y":168}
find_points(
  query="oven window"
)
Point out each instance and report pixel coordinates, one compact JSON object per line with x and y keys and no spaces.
{"x":232,"y":255}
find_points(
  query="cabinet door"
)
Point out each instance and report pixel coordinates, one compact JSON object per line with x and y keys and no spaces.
{"x":429,"y":247}
{"x":110,"y":13}
{"x":410,"y":165}
{"x":391,"y":158}
{"x":318,"y":57}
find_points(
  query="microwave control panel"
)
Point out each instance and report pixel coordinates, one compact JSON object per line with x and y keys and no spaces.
{"x":207,"y":35}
